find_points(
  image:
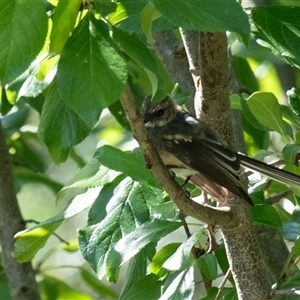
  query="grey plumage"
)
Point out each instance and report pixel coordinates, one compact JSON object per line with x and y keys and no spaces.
{"x":191,"y":148}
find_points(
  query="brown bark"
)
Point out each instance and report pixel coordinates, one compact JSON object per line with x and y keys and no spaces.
{"x":21,"y":277}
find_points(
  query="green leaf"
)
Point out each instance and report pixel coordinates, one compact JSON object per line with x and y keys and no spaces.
{"x":161,"y":256}
{"x":131,"y":163}
{"x":245,"y":74}
{"x":279,"y":29}
{"x":90,"y":73}
{"x":182,"y":258}
{"x":28,"y":243}
{"x":148,"y":15}
{"x":208,"y":265}
{"x":33,"y":239}
{"x":53,"y":288}
{"x":127,"y":210}
{"x":266,"y":214}
{"x":179,"y":285}
{"x":63,"y":23}
{"x":23,"y":30}
{"x":250,"y":117}
{"x":290,"y":153}
{"x":294,"y":100}
{"x":137,"y":269}
{"x":296,"y":247}
{"x":266,"y":109}
{"x":147,"y":288}
{"x":97,"y":285}
{"x":205,"y":16}
{"x":60,"y":127}
{"x":131,"y":244}
{"x":137,"y":50}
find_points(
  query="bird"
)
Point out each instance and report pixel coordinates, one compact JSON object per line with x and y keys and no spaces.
{"x":194,"y":151}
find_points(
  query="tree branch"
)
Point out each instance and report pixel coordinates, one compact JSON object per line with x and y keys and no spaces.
{"x":21,"y":277}
{"x":208,"y":214}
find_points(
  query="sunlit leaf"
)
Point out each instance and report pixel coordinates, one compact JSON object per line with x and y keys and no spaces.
{"x":23,"y":30}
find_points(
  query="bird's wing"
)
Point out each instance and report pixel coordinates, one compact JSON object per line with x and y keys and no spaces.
{"x":219,"y":164}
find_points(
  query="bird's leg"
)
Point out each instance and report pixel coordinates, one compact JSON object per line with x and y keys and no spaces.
{"x":184,"y":185}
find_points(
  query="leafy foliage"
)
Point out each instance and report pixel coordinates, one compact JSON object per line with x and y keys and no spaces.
{"x":70,"y":69}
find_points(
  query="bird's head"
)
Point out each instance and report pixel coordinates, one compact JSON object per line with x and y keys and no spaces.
{"x":158,"y":114}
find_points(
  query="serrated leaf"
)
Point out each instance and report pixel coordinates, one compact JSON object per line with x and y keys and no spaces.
{"x":90,"y":73}
{"x":294,"y":100}
{"x":205,"y":16}
{"x":266,"y":214}
{"x":131,"y":244}
{"x":179,"y":285}
{"x":208,"y":265}
{"x":125,"y":211}
{"x":64,"y":19}
{"x":279,"y":29}
{"x":266,"y":109}
{"x":23,"y":30}
{"x":250,"y":117}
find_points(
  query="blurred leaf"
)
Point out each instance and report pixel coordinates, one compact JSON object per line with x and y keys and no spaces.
{"x":198,"y":15}
{"x":245,"y":74}
{"x":179,"y":285}
{"x":266,"y":214}
{"x":28,"y":243}
{"x":5,"y":104}
{"x":71,"y":247}
{"x":279,"y":29}
{"x":148,"y":15}
{"x":131,"y":244}
{"x":33,"y":239}
{"x":148,"y":288}
{"x":293,"y":282}
{"x":208,"y":265}
{"x":22,"y":38}
{"x":105,"y":7}
{"x":100,"y":288}
{"x":25,"y":176}
{"x":290,"y":231}
{"x":296,"y":247}
{"x":266,"y":110}
{"x":53,"y":288}
{"x":64,"y":19}
{"x":4,"y":286}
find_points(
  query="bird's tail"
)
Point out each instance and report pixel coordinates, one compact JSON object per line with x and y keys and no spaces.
{"x":269,"y":171}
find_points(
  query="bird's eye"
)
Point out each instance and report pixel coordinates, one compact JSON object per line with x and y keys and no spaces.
{"x":160,"y":112}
